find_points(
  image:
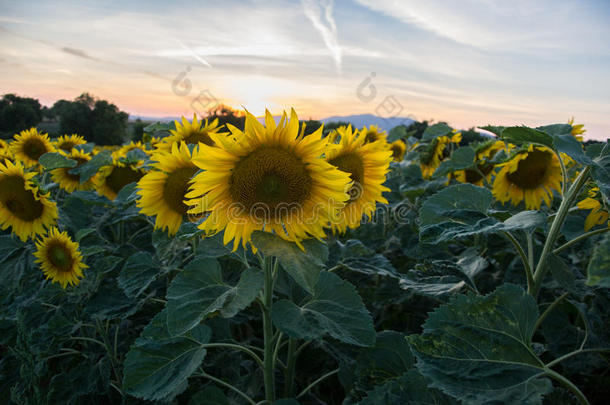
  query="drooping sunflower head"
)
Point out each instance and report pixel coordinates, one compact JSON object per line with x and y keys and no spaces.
{"x":398,"y":149}
{"x":599,"y":212}
{"x":66,"y":143}
{"x":59,"y":258}
{"x":29,"y":145}
{"x":367,"y":164}
{"x":268,"y":177}
{"x":577,"y":130}
{"x":485,"y":169}
{"x":163,"y":190}
{"x":112,"y":178}
{"x":191,"y":133}
{"x":22,"y":207}
{"x":530,"y":176}
{"x":71,"y":182}
{"x":432,"y":156}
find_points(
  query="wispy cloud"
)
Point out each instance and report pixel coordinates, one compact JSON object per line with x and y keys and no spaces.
{"x":320,"y":13}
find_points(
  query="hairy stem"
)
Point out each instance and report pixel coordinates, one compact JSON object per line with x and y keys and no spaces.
{"x":291,"y":360}
{"x":268,"y":371}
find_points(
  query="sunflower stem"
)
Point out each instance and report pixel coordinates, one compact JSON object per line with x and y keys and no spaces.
{"x":268,"y":371}
{"x":569,"y":385}
{"x":524,"y":259}
{"x":291,"y":360}
{"x":580,"y":238}
{"x":562,"y":212}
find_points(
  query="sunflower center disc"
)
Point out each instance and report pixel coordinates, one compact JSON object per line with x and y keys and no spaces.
{"x":199,"y":136}
{"x":176,"y":186}
{"x":60,"y":258}
{"x":122,"y":176}
{"x":34,"y":148}
{"x":371,"y":136}
{"x":19,"y":201}
{"x":396,"y":152}
{"x":531,"y":171}
{"x":67,"y":146}
{"x":351,"y":163}
{"x":268,"y":178}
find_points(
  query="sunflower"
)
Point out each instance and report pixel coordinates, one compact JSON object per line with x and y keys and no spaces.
{"x":29,"y":145}
{"x":373,"y":134}
{"x":398,"y":149}
{"x":22,"y":206}
{"x":163,"y":190}
{"x":598,"y":214}
{"x":66,"y":143}
{"x":69,"y":181}
{"x":483,"y":154}
{"x":59,"y":258}
{"x":123,"y":150}
{"x":192,"y":133}
{"x":531,"y":175}
{"x":5,"y":151}
{"x":431,"y":158}
{"x":112,"y":178}
{"x":268,"y":177}
{"x":577,"y":130}
{"x":367,"y":164}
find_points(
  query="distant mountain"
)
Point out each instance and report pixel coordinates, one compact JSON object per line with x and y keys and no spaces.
{"x":361,"y":120}
{"x":358,"y":120}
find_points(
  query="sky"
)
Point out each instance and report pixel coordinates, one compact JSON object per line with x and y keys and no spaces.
{"x":469,"y":63}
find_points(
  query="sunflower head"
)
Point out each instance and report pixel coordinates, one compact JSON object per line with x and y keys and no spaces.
{"x":22,"y":207}
{"x":111,"y":179}
{"x":373,"y":134}
{"x":530,"y":176}
{"x":163,"y":189}
{"x":432,"y":156}
{"x":367,"y":164}
{"x":599,"y":213}
{"x":66,"y":143}
{"x":398,"y":149}
{"x":484,"y":170}
{"x":577,"y":130}
{"x":71,"y":182}
{"x":29,"y":145}
{"x":60,"y":258}
{"x":5,"y":152}
{"x":192,"y":133}
{"x":268,"y":177}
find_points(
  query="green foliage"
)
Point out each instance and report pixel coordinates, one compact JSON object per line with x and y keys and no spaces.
{"x":52,"y":160}
{"x":158,"y":364}
{"x":599,"y":267}
{"x":18,"y":113}
{"x":97,"y":120}
{"x":334,"y":309}
{"x":479,"y":349}
{"x":199,"y":291}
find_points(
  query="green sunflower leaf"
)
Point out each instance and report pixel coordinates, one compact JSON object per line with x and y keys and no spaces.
{"x":138,"y":272}
{"x":199,"y":291}
{"x":87,"y":170}
{"x":478,"y":349}
{"x":436,"y":130}
{"x":409,"y":388}
{"x":304,"y":266}
{"x":521,"y":135}
{"x":158,"y":365}
{"x":51,"y":160}
{"x":335,"y":309}
{"x":598,"y":272}
{"x":462,"y":158}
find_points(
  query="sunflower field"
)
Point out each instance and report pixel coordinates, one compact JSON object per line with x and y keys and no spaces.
{"x":211,"y":264}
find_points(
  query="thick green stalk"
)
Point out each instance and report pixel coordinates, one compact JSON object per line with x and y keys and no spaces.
{"x":291,"y":359}
{"x":562,"y":212}
{"x":268,"y":331}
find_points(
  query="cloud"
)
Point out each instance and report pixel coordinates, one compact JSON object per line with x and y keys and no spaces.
{"x":78,"y":52}
{"x":518,"y":25}
{"x":320,"y":13}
